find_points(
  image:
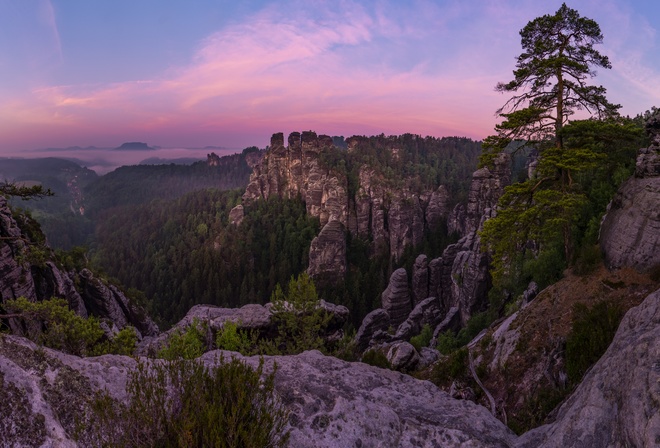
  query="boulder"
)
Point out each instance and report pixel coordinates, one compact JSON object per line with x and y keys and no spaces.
{"x":402,"y":356}
{"x":396,"y":298}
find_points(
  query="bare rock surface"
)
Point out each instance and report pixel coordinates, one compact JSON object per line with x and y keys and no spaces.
{"x":327,"y":253}
{"x":402,"y":356}
{"x":420,"y":279}
{"x":618,"y":402}
{"x":630,"y":232}
{"x":396,"y":297}
{"x":236,"y":215}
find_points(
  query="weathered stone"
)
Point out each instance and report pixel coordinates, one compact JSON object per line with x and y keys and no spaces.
{"x":617,"y":403}
{"x":426,"y":312}
{"x":630,"y":232}
{"x":327,"y":253}
{"x":427,"y":357}
{"x":332,"y":403}
{"x":236,"y":215}
{"x":376,"y":320}
{"x":405,"y":224}
{"x":451,"y":321}
{"x":437,"y":209}
{"x":396,"y":298}
{"x":402,"y":356}
{"x":420,"y":279}
{"x":530,"y":293}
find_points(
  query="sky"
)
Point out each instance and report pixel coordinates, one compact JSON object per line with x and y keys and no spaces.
{"x":231,"y":73}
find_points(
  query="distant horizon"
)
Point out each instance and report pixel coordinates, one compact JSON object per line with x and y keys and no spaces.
{"x":220,"y":73}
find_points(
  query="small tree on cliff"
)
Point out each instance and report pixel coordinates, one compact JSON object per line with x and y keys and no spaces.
{"x":549,"y":86}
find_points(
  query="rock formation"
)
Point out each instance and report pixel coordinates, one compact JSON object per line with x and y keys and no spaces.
{"x":327,"y":253}
{"x":41,"y":280}
{"x":376,"y":321}
{"x":392,"y":216}
{"x":236,"y":215}
{"x":396,"y":298}
{"x":420,"y":279}
{"x":630,"y":232}
{"x":426,"y":312}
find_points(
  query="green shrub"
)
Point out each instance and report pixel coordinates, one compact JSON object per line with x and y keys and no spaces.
{"x":188,"y":344}
{"x":592,"y":332}
{"x":376,"y":358}
{"x":454,"y":367}
{"x":422,"y":339}
{"x":182,"y":403}
{"x":53,"y":324}
{"x":230,"y":338}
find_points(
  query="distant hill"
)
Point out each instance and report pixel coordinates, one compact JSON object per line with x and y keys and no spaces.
{"x":177,"y":161}
{"x":132,"y":146}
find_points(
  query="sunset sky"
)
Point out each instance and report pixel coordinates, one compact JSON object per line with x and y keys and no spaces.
{"x":231,"y":73}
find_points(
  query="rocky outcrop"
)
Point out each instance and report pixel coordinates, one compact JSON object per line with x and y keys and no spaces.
{"x":42,"y":280}
{"x":327,"y":253}
{"x":376,"y":321}
{"x":236,"y":215}
{"x":426,"y":312}
{"x":295,"y":170}
{"x":331,"y":402}
{"x":420,"y":279}
{"x":402,"y":356}
{"x":618,"y":401}
{"x":251,"y":318}
{"x":396,"y":298}
{"x":630,"y":232}
{"x":437,"y":209}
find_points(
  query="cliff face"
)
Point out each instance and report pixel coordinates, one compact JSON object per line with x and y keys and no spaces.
{"x":630,"y":232}
{"x":393,"y":217}
{"x":27,"y":270}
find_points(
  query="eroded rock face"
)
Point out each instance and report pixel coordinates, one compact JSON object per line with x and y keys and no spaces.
{"x":420,"y":279}
{"x":617,"y":402}
{"x":396,"y":298}
{"x":630,"y":232}
{"x":236,"y":215}
{"x":375,"y":321}
{"x":426,"y":312}
{"x":327,"y":253}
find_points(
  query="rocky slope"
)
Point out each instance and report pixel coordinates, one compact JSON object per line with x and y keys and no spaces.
{"x":27,"y":270}
{"x":336,"y":403}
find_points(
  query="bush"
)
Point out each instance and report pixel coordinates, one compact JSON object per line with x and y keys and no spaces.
{"x":592,"y":332}
{"x":423,"y":339}
{"x":230,"y":338}
{"x":182,"y":403}
{"x":454,"y":367}
{"x":188,"y":344}
{"x":53,"y":324}
{"x":376,"y":358}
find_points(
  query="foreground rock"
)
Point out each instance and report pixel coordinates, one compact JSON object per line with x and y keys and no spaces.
{"x":332,"y":403}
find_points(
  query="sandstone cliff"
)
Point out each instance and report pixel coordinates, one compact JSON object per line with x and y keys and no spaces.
{"x":392,"y":215}
{"x":630,"y":232}
{"x":27,"y":270}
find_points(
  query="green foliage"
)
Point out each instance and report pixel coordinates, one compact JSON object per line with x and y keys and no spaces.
{"x":159,"y":248}
{"x":550,"y":81}
{"x":53,"y":324}
{"x":423,"y":339}
{"x":376,"y":358}
{"x":24,"y":192}
{"x":448,"y":342}
{"x":536,"y":408}
{"x":301,"y":322}
{"x":455,"y":366}
{"x":231,"y":338}
{"x":592,"y":332}
{"x":188,"y":344}
{"x":185,"y":404}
